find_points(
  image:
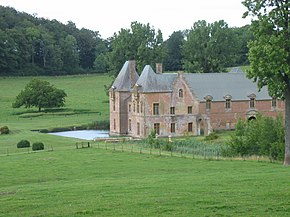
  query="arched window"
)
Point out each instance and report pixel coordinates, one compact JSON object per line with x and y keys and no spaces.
{"x":180,"y":93}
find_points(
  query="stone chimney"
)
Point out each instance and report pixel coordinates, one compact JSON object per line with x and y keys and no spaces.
{"x":132,"y":72}
{"x":159,"y":69}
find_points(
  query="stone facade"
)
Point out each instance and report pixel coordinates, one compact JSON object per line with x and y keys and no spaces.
{"x":177,"y":104}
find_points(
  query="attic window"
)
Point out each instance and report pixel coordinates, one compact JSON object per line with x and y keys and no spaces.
{"x":252,"y":100}
{"x":252,"y":103}
{"x":180,"y":93}
{"x":208,"y":100}
{"x":208,"y":104}
{"x":228,"y":103}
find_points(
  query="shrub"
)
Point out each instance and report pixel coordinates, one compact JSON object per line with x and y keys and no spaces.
{"x":23,"y":144}
{"x":37,"y":146}
{"x":263,"y":137}
{"x":4,"y":130}
{"x":211,"y":136}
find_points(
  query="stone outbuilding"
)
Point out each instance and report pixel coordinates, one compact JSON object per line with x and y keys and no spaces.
{"x":178,"y":104}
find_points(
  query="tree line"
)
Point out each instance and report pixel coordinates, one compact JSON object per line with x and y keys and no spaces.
{"x":36,"y":46}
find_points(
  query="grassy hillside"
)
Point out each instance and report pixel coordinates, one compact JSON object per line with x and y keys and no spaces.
{"x":86,"y":102}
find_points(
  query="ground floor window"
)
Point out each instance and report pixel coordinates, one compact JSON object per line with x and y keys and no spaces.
{"x":274,"y":102}
{"x":190,"y":127}
{"x":172,"y":128}
{"x":138,"y":128}
{"x":157,"y":128}
{"x":129,"y":125}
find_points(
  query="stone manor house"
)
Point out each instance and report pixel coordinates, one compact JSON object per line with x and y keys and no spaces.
{"x":177,"y":104}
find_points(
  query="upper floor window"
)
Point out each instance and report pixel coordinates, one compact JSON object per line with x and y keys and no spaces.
{"x":189,"y":109}
{"x":138,"y":107}
{"x":228,"y":104}
{"x":155,"y":108}
{"x":172,"y":110}
{"x":180,"y":93}
{"x":208,"y":104}
{"x":134,"y":107}
{"x":274,"y":102}
{"x":129,"y":108}
{"x":252,"y":102}
{"x":114,"y":106}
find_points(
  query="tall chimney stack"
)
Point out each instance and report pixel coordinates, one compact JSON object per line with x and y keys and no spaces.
{"x":159,"y":68}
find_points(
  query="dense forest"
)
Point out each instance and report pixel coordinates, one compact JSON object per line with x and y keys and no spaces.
{"x":36,"y":46}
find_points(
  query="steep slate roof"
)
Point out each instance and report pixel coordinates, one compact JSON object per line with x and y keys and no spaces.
{"x":123,"y":81}
{"x":149,"y":81}
{"x":216,"y":85}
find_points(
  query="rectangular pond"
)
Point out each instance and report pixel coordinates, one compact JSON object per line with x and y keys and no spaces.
{"x":83,"y":134}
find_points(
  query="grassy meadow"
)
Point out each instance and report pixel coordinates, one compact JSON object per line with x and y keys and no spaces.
{"x":103,"y":182}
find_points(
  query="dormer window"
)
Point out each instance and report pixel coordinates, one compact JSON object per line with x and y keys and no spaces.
{"x":228,"y":104}
{"x":252,"y":100}
{"x":208,"y":100}
{"x":180,"y":93}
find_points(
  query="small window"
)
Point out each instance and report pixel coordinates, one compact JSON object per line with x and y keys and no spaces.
{"x":130,"y":125}
{"x":180,"y":93}
{"x":252,"y":103}
{"x":114,"y":124}
{"x":141,"y":108}
{"x":274,"y":102}
{"x":157,"y":128}
{"x":208,"y":104}
{"x":155,"y":108}
{"x":138,"y":107}
{"x":129,"y":108}
{"x":189,"y":109}
{"x":190,"y":127}
{"x":228,"y":104}
{"x":134,"y":107}
{"x":172,"y":128}
{"x":138,"y":128}
{"x":172,"y":110}
{"x":114,"y":105}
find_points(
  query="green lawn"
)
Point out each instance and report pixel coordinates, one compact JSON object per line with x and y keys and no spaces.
{"x":98,"y":182}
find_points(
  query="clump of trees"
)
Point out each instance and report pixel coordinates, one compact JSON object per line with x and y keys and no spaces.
{"x":264,"y":136}
{"x":40,"y":94}
{"x":37,"y":46}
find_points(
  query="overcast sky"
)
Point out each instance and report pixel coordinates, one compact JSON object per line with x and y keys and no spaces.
{"x":109,"y":16}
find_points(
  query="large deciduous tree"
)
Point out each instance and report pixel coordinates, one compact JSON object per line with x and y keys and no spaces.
{"x":40,"y":94}
{"x":269,"y":52}
{"x":141,"y":43}
{"x":209,"y":47}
